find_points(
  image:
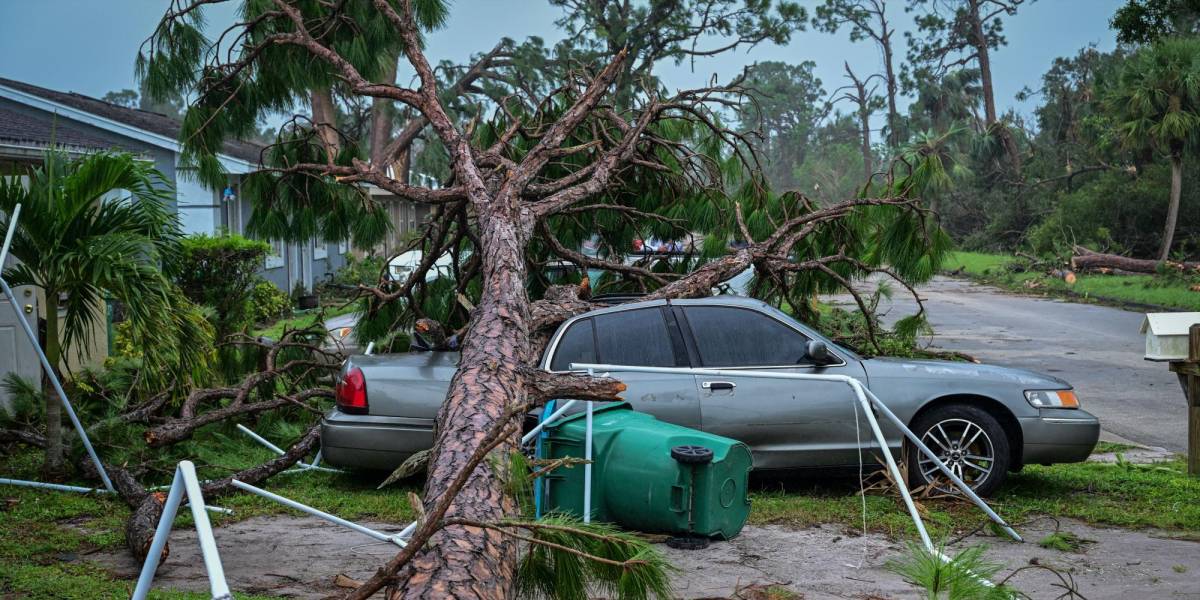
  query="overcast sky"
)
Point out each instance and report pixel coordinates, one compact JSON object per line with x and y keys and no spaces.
{"x":88,"y":46}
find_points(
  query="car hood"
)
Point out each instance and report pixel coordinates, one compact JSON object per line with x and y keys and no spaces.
{"x":899,"y":368}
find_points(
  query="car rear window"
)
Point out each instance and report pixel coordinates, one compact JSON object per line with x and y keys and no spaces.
{"x":728,"y":336}
{"x":635,"y":337}
{"x":577,"y":345}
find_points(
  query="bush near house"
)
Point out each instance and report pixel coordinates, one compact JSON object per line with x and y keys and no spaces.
{"x":267,"y":302}
{"x":219,"y":272}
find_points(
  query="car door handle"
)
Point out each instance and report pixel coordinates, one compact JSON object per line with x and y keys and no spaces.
{"x":718,"y":385}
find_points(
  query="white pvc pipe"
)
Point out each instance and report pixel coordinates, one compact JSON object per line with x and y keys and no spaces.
{"x":53,"y":377}
{"x":370,"y":348}
{"x":587,"y":467}
{"x":367,"y":531}
{"x":862,"y":394}
{"x":277,"y":450}
{"x":53,"y":486}
{"x":185,"y":482}
{"x":12,"y":228}
{"x":547,"y":422}
{"x":208,"y":545}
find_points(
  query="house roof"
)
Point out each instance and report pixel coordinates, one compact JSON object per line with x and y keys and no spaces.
{"x":143,"y":120}
{"x":38,"y":129}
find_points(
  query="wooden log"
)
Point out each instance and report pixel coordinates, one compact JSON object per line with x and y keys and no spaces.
{"x":1193,"y":392}
{"x":1085,"y":259}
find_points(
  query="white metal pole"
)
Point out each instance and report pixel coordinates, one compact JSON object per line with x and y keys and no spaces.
{"x":587,"y":467}
{"x":208,"y":545}
{"x":860,"y":391}
{"x":160,"y":538}
{"x":53,"y":486}
{"x":8,"y":236}
{"x":958,"y":482}
{"x":367,"y":531}
{"x":547,"y":422}
{"x":62,"y":395}
{"x":277,"y":450}
{"x":370,"y":348}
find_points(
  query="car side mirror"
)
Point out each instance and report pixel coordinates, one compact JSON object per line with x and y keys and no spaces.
{"x":817,"y":352}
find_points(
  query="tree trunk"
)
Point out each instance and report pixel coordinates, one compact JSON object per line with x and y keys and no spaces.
{"x":52,"y":345}
{"x":467,"y":562}
{"x":324,"y":118}
{"x":1173,"y":208}
{"x":1085,"y":259}
{"x":890,"y":74}
{"x":381,"y":118}
{"x":979,"y":41}
{"x":864,"y":116}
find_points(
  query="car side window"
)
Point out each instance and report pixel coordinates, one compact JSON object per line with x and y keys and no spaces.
{"x":635,"y":337}
{"x":577,"y":345}
{"x":728,"y":336}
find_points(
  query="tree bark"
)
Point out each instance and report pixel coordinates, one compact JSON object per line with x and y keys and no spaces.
{"x":979,"y":41}
{"x":1085,"y":259}
{"x":52,"y":345}
{"x":885,"y":40}
{"x":324,"y":118}
{"x":381,"y":118}
{"x":460,"y":561}
{"x":1173,"y":207}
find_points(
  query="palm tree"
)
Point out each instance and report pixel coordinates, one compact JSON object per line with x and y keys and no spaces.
{"x":1155,"y":102}
{"x":92,"y":228}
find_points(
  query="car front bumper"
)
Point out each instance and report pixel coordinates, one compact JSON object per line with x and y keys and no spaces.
{"x":1059,"y":435}
{"x":370,"y":442}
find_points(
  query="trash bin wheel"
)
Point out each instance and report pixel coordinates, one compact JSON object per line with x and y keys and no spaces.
{"x":687,"y":542}
{"x":692,"y":455}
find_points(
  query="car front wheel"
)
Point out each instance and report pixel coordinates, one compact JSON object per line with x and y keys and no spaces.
{"x":969,"y":440}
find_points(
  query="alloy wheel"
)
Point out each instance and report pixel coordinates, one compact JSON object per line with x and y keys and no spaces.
{"x":965,"y":448}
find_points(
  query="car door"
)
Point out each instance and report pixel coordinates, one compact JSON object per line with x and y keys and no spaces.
{"x":636,"y":337}
{"x":786,"y":423}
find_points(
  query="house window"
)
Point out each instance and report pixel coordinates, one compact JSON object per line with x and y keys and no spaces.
{"x":275,"y":258}
{"x":343,"y":246}
{"x":320,"y":250}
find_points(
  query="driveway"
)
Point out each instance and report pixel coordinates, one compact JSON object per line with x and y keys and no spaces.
{"x":1097,"y":348}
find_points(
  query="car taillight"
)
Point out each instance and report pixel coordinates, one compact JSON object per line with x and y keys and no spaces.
{"x":351,"y":392}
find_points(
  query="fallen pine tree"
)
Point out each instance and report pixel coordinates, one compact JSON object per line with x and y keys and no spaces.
{"x":1088,"y":260}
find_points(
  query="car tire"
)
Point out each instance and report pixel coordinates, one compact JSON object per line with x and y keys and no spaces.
{"x":969,"y":440}
{"x":687,"y":542}
{"x":692,"y":455}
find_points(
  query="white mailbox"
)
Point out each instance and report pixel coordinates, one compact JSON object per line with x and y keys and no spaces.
{"x":1167,"y":335}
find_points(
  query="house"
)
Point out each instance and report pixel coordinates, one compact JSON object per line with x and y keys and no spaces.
{"x":33,"y":118}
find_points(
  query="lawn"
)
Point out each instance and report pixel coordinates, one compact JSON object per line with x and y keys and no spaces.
{"x":45,"y":537}
{"x":1117,"y":289}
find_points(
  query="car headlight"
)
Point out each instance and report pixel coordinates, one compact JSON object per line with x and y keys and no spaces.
{"x":1052,"y":398}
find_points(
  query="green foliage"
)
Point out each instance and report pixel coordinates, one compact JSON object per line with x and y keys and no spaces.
{"x":549,"y":572}
{"x":75,"y":239}
{"x":784,"y":108}
{"x":1146,"y":21}
{"x":219,"y":272}
{"x":268,"y":302}
{"x":1064,"y":541}
{"x":963,"y":577}
{"x":25,"y":402}
{"x":1155,"y":99}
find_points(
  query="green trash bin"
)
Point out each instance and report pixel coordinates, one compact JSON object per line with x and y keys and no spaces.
{"x":651,"y":476}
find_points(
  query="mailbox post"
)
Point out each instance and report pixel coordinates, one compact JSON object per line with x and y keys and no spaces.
{"x":1189,"y":376}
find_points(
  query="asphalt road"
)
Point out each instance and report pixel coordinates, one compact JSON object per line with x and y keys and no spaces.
{"x":1097,"y":348}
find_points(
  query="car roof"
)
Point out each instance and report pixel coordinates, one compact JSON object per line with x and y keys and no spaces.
{"x":721,"y":300}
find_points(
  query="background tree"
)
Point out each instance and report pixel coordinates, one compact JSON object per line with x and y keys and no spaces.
{"x":867,"y":19}
{"x":1155,"y":104}
{"x":862,"y":95}
{"x":678,"y":30}
{"x":784,"y":109}
{"x":92,"y":228}
{"x":1144,"y":21}
{"x":957,"y":33}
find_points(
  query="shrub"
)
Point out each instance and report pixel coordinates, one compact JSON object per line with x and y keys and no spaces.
{"x":220,"y":272}
{"x":267,"y":302}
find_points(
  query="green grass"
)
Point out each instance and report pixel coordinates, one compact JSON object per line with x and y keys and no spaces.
{"x":1162,"y":497}
{"x":46,"y":537}
{"x":275,"y":330}
{"x":1118,"y":289}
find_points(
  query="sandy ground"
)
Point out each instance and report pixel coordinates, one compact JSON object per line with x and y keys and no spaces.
{"x":299,"y":557}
